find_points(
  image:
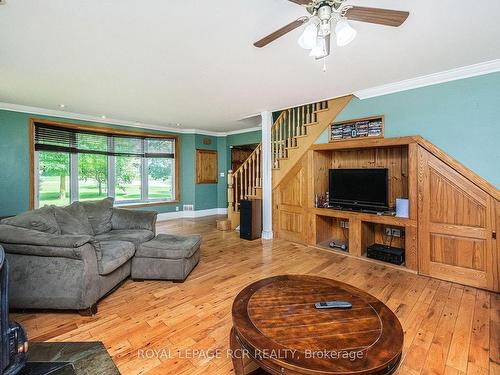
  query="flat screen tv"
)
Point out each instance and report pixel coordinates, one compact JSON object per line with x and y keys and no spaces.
{"x":359,"y":189}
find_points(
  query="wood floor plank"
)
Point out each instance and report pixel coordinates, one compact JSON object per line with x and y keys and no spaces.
{"x":459,"y":347}
{"x":449,"y":329}
{"x":478,"y":359}
{"x":427,"y":324}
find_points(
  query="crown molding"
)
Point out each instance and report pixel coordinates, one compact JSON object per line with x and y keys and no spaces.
{"x":431,"y":79}
{"x":241,"y":131}
{"x":111,"y":121}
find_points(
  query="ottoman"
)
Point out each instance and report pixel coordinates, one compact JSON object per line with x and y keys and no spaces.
{"x":166,"y":257}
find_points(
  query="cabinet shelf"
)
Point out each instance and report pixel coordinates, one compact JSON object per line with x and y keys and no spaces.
{"x":363,"y":230}
{"x":363,"y":216}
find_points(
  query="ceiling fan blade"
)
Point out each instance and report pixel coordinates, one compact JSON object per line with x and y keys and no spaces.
{"x":280,"y":32}
{"x":301,"y":2}
{"x":376,"y":15}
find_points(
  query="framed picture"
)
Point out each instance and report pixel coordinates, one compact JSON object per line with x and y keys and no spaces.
{"x":368,"y":127}
{"x":206,"y":167}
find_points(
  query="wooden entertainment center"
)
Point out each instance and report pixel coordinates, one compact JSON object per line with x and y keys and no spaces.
{"x":452,"y":224}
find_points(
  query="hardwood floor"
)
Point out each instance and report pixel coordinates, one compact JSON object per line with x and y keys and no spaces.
{"x":156,"y":327}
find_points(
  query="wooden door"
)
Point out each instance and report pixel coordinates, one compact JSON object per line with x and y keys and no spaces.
{"x":456,"y":223}
{"x":290,"y":203}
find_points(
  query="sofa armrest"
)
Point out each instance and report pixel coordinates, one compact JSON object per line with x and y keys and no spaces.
{"x":83,"y":253}
{"x":22,"y":236}
{"x":131,"y":219}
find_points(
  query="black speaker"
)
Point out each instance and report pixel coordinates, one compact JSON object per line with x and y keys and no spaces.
{"x":250,"y":219}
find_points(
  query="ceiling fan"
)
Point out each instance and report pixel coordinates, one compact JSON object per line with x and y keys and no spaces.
{"x":326,"y":13}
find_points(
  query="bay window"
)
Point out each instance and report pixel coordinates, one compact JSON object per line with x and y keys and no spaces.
{"x":79,"y":163}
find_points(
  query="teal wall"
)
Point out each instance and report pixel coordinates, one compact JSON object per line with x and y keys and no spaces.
{"x":14,"y":166}
{"x":222,"y":165}
{"x":460,"y":117}
{"x":206,"y":194}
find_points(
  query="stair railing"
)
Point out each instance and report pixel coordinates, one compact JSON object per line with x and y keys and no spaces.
{"x":246,"y":181}
{"x":290,"y":125}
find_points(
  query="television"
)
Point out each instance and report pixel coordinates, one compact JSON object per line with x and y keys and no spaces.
{"x":359,"y":189}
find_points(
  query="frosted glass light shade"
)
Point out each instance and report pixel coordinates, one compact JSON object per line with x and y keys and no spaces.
{"x":320,"y":50}
{"x":345,"y":33}
{"x":308,"y":38}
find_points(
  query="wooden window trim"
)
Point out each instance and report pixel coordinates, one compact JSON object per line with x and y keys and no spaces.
{"x":103,"y":130}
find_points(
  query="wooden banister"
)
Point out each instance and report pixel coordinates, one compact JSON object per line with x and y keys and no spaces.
{"x":243,"y":181}
{"x":246,"y":181}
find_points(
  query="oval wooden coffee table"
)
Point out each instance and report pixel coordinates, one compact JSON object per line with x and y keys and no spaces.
{"x":277,"y":328}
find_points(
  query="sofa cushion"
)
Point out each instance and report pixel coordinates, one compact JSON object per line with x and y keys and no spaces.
{"x":114,"y":255}
{"x":137,"y":236}
{"x":133,"y":219}
{"x":42,"y":220}
{"x":99,"y":214}
{"x":72,"y":219}
{"x":166,"y":246}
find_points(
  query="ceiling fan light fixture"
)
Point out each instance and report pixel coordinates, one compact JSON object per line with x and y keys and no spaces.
{"x":325,"y":28}
{"x":308,"y":38}
{"x":345,"y":33}
{"x":320,"y":50}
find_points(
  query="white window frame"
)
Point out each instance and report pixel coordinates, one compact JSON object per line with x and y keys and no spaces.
{"x":111,"y":180}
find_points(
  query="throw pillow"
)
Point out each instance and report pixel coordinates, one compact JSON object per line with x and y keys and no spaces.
{"x":42,"y":220}
{"x":99,"y":214}
{"x":72,"y":219}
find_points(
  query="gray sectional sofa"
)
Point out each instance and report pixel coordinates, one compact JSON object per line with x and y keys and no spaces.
{"x":70,"y":257}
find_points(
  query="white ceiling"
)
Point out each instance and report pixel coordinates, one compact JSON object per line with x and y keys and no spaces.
{"x":192,"y":61}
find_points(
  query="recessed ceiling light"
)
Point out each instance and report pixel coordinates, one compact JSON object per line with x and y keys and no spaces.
{"x":62,"y":105}
{"x":103,"y":117}
{"x":177,"y":124}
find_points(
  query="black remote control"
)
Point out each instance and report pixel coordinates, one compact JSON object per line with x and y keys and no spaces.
{"x":333,"y":305}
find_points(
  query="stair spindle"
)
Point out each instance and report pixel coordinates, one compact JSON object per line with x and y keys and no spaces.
{"x":253,"y":175}
{"x":257,"y":182}
{"x":241,"y":184}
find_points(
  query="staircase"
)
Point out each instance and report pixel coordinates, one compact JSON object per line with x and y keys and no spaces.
{"x":293,"y":132}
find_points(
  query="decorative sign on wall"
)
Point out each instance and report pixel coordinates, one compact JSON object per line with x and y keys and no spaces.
{"x":207,"y":141}
{"x":359,"y":128}
{"x":206,"y":167}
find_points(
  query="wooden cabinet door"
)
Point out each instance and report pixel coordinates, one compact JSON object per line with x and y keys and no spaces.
{"x":456,"y":222}
{"x":290,"y":203}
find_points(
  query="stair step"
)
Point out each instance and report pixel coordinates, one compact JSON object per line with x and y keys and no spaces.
{"x":300,"y":136}
{"x":292,"y":147}
{"x":311,"y":123}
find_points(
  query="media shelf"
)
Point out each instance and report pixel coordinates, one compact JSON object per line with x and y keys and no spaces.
{"x":398,"y":156}
{"x":334,"y":229}
{"x":363,"y":230}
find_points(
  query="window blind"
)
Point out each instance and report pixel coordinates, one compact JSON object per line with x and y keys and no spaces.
{"x":61,"y":139}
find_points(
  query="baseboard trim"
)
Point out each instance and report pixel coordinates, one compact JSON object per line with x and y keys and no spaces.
{"x":191,"y":214}
{"x":267,"y":235}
